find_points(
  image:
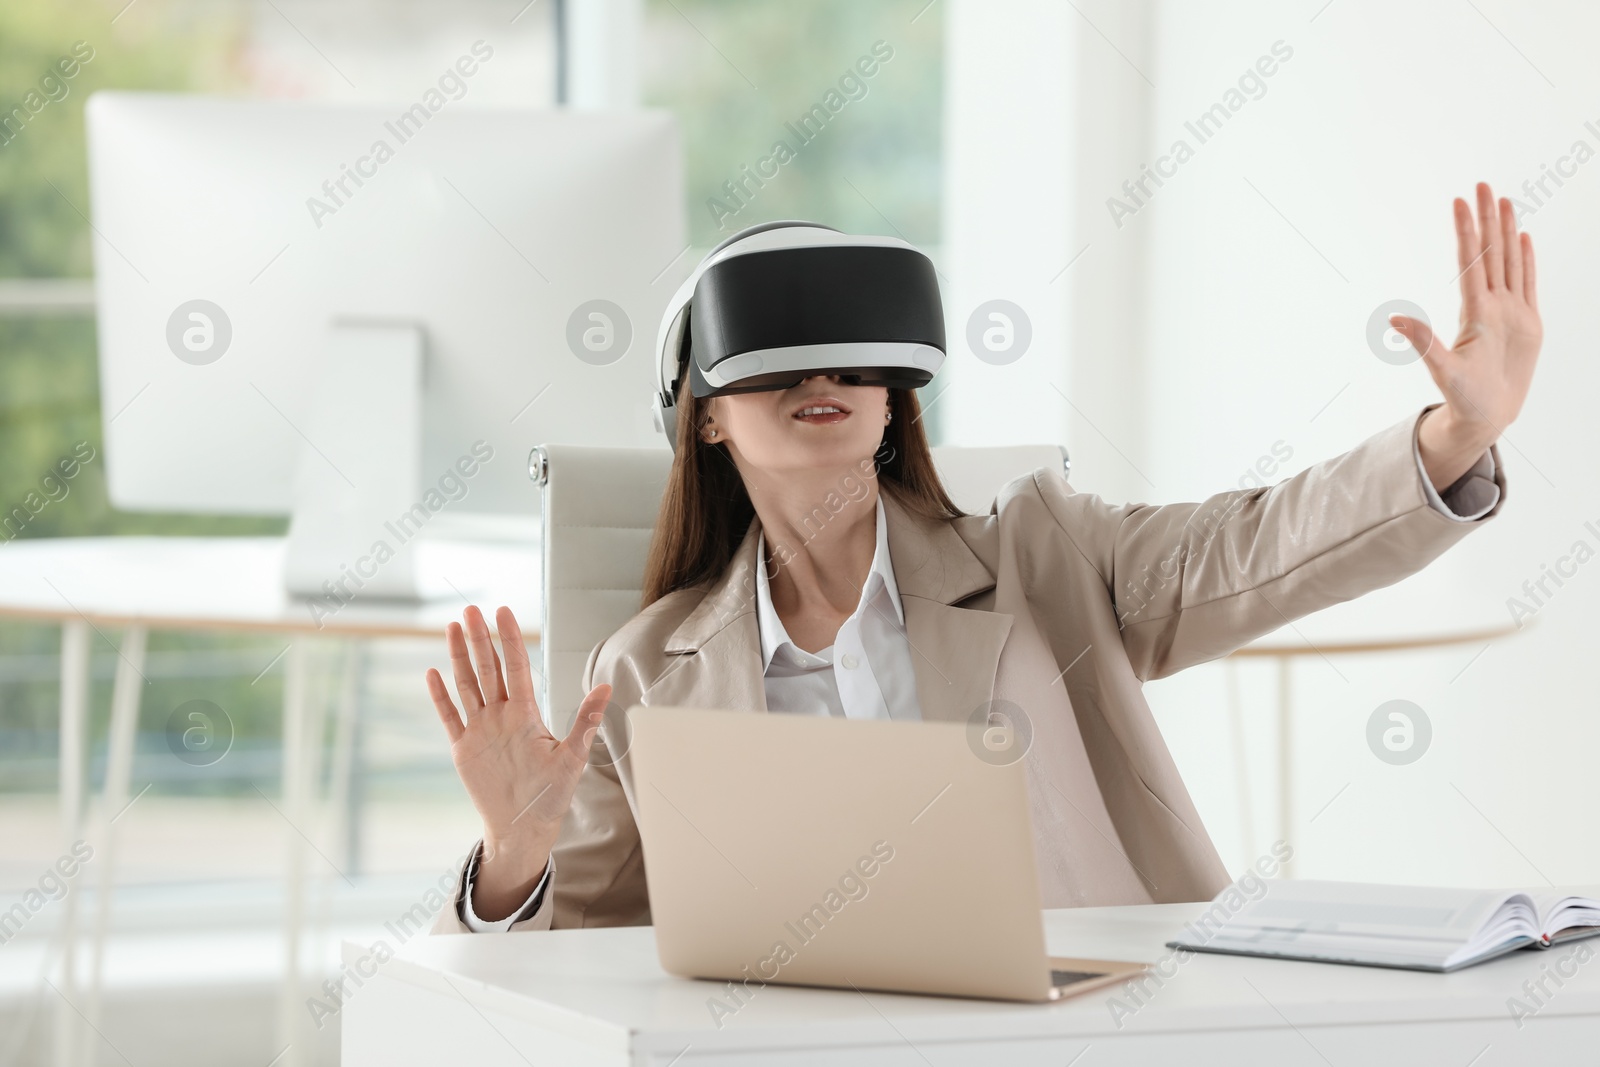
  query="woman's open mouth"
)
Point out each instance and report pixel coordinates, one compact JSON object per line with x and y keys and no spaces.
{"x":823,"y":412}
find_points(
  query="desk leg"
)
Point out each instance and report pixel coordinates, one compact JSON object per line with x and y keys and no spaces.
{"x":341,"y":770}
{"x":293,"y":792}
{"x":347,"y":709}
{"x":314,"y":916}
{"x":125,"y":693}
{"x":74,"y":712}
{"x":1241,"y":762}
{"x":341,"y":764}
{"x":1285,"y":761}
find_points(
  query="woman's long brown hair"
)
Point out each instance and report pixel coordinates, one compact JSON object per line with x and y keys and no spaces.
{"x":705,"y":511}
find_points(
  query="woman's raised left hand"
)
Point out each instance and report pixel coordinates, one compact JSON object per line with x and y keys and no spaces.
{"x":1485,"y":375}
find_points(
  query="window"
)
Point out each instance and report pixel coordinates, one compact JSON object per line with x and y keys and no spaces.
{"x":828,"y":111}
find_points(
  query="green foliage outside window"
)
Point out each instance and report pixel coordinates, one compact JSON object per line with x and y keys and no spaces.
{"x":742,"y":75}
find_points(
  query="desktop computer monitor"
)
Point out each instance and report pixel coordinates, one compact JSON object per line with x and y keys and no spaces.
{"x":351,"y":314}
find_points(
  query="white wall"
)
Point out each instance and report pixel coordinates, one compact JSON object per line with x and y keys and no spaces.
{"x":1228,"y":316}
{"x":1383,"y":113}
{"x":1007,"y":216}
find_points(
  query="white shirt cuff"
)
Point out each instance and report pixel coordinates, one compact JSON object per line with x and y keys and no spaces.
{"x":483,"y":926}
{"x":1471,"y":497}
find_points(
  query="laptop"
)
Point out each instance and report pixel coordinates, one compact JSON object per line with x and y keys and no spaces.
{"x":805,"y":850}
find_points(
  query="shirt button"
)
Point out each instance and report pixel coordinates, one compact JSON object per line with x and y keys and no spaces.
{"x":849,"y":662}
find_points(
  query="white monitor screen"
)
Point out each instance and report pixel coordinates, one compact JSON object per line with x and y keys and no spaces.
{"x":535,"y":249}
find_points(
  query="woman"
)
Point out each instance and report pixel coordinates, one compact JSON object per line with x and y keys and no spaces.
{"x":1055,"y":607}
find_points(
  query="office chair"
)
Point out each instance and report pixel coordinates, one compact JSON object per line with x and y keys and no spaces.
{"x":599,"y":508}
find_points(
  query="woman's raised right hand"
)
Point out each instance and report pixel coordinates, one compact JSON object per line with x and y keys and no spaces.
{"x":519,"y":776}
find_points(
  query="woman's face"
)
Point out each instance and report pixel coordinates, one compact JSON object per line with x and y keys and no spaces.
{"x":820,"y":424}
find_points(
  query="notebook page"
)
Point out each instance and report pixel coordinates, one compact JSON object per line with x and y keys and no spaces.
{"x":1566,"y":916}
{"x":1395,"y":926}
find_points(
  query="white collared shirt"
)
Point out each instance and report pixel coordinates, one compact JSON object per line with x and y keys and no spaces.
{"x":1471,"y":498}
{"x":867,"y":673}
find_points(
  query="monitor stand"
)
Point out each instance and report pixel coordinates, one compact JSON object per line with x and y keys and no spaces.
{"x":357,"y":484}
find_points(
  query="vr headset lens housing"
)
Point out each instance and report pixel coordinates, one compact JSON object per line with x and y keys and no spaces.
{"x":768,"y":319}
{"x":783,"y":301}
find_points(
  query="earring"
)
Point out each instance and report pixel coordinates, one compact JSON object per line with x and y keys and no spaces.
{"x":713,"y":433}
{"x":888,"y":417}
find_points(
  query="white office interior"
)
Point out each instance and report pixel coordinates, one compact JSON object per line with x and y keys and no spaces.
{"x":432,"y":236}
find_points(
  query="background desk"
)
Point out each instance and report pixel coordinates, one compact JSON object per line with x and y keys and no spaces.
{"x":584,"y":998}
{"x":1284,"y":654}
{"x":94,"y":587}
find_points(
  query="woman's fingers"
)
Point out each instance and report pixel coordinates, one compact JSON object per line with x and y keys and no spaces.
{"x":1422,"y":338}
{"x":461,"y":666}
{"x":499,"y":670}
{"x":489,"y":680}
{"x":1512,"y":246}
{"x":587,"y":721}
{"x":1489,"y":234}
{"x":519,"y":671}
{"x":1530,"y":287}
{"x":1432,"y":350}
{"x":445,"y":706}
{"x":1469,"y":256}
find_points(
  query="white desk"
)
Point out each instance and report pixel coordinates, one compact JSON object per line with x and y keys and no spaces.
{"x":583,"y":998}
{"x":96,"y":586}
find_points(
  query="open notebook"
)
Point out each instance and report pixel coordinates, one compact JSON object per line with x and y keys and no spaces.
{"x":1387,"y":925}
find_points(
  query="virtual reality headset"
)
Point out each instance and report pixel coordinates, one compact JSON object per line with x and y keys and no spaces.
{"x":782,"y":301}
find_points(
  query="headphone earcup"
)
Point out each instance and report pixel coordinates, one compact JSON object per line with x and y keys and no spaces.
{"x":673,"y":344}
{"x":666,"y":420}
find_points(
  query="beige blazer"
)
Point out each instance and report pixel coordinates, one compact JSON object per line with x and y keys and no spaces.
{"x":1063,"y":605}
